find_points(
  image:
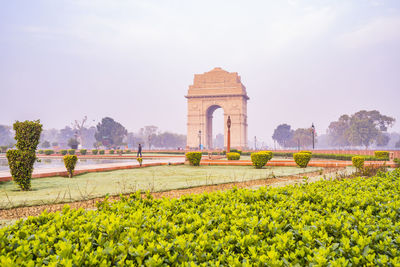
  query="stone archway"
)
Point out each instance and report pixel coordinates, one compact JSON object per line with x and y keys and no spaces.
{"x":211,"y":90}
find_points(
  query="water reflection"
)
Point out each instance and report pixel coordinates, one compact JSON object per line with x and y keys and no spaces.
{"x":59,"y":162}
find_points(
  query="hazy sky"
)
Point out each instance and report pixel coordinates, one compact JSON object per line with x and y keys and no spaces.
{"x":301,"y":61}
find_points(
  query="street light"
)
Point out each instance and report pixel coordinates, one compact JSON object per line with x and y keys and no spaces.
{"x":313,"y":134}
{"x":200,"y":139}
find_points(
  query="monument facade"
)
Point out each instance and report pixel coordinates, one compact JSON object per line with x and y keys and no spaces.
{"x":210,"y":91}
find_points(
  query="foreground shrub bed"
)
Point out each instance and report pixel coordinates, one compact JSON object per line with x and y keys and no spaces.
{"x":352,"y":222}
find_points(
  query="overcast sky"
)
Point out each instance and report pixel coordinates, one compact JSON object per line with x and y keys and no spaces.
{"x":301,"y":61}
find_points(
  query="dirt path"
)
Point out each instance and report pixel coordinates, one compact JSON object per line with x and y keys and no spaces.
{"x":23,"y":212}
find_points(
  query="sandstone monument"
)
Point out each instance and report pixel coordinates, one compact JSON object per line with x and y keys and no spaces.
{"x":210,"y":91}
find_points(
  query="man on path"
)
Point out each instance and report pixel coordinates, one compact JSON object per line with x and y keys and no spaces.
{"x":139,"y":151}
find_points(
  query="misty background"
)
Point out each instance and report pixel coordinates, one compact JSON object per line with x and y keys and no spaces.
{"x":302,"y":62}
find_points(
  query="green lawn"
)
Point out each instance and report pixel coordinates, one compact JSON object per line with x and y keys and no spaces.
{"x":160,"y":178}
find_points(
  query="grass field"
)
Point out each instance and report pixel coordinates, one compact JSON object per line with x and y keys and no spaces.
{"x":160,"y":178}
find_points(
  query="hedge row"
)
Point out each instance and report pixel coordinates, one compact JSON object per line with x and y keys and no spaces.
{"x":354,"y":222}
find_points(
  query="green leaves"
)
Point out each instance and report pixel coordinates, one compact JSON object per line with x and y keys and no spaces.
{"x":302,"y":158}
{"x":194,"y":158}
{"x":328,"y":223}
{"x":261,"y":158}
{"x":70,"y":162}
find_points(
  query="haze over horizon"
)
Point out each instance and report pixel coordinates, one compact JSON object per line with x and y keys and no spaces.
{"x":301,"y":62}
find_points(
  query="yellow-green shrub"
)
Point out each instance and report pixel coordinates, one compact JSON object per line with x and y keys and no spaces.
{"x":95,"y":151}
{"x":305,"y":151}
{"x":261,"y":158}
{"x":194,"y":158}
{"x":302,"y":159}
{"x":22,"y":159}
{"x":83,"y":151}
{"x":382,"y":154}
{"x":233,"y":156}
{"x":70,"y":162}
{"x":358,"y":162}
{"x":101,"y":152}
{"x":63,"y":152}
{"x":71,"y":151}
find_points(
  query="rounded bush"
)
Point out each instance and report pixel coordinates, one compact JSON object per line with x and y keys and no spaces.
{"x":236,"y":151}
{"x":111,"y":151}
{"x":233,"y":156}
{"x":194,"y":158}
{"x":305,"y":151}
{"x":83,"y":151}
{"x":71,"y":151}
{"x":382,"y":154}
{"x":358,"y":162}
{"x":40,"y":151}
{"x":48,"y":152}
{"x":101,"y":152}
{"x":63,"y":152}
{"x":302,"y":159}
{"x":70,"y":162}
{"x":261,"y":158}
{"x":128,"y":151}
{"x":95,"y":151}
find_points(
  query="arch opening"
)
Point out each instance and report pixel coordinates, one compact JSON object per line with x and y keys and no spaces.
{"x":215,"y":127}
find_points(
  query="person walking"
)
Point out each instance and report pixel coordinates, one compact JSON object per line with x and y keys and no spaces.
{"x":139,"y":151}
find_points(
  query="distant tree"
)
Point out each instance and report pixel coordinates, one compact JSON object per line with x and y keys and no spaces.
{"x":337,"y":131}
{"x":169,"y":140}
{"x":73,"y":143}
{"x":367,"y":126}
{"x":149,"y":133}
{"x":45,"y":144}
{"x":6,"y":136}
{"x":283,"y":134}
{"x":65,"y":135}
{"x":303,"y":137}
{"x":397,"y":145}
{"x":79,"y":127}
{"x":360,"y":129}
{"x":110,"y":132}
{"x":382,"y":140}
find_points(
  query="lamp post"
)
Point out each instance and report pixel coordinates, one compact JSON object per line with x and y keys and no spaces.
{"x":255,"y":142}
{"x":200,"y":139}
{"x":229,"y":123}
{"x":313,"y":135}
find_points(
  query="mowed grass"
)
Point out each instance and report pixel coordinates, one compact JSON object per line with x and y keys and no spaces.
{"x":161,"y":178}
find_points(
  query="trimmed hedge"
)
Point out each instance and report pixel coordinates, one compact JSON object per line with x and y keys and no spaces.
{"x":83,"y":151}
{"x":111,"y":151}
{"x":71,"y":151}
{"x":260,"y":159}
{"x":305,"y":151}
{"x":194,"y":158}
{"x":21,"y":167}
{"x":48,"y":152}
{"x":354,"y":222}
{"x":63,"y":152}
{"x":101,"y":152}
{"x":70,"y":162}
{"x":95,"y":151}
{"x":40,"y":151}
{"x":235,"y":151}
{"x":233,"y":156}
{"x":302,"y":159}
{"x":22,"y":159}
{"x":397,"y":162}
{"x":358,"y":162}
{"x":382,"y":155}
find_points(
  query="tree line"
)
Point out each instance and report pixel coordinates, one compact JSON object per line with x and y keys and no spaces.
{"x":361,"y":129}
{"x":106,"y":134}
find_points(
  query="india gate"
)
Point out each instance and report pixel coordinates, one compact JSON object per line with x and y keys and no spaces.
{"x":210,"y":91}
